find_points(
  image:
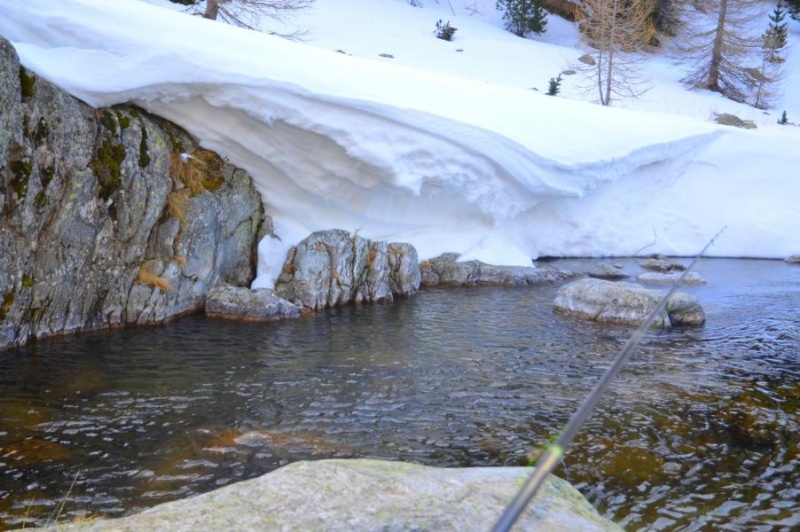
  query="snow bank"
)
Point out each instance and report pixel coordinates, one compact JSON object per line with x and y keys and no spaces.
{"x":449,"y":164}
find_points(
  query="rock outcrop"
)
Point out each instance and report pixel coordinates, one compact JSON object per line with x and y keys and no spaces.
{"x":367,"y":495}
{"x":109,"y":217}
{"x":446,"y":270}
{"x":625,"y":303}
{"x":332,"y":268}
{"x":241,"y":303}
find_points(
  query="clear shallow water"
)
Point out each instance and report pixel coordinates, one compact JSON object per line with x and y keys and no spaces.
{"x":699,"y":431}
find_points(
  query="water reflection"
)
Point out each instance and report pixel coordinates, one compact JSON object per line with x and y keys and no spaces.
{"x":700,"y":429}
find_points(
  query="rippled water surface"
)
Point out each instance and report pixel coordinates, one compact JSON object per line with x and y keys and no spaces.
{"x":699,"y":431}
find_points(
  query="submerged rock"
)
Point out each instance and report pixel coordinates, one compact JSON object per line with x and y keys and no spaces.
{"x":332,"y":268}
{"x":446,"y":270}
{"x":367,"y":495}
{"x":625,"y":303}
{"x":670,"y":278}
{"x":660,"y":264}
{"x":233,"y":302}
{"x":604,"y":270}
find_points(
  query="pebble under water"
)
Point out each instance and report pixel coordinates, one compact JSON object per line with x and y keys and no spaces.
{"x":699,"y":431}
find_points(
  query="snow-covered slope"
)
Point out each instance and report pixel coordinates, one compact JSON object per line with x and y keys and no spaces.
{"x":448,"y":163}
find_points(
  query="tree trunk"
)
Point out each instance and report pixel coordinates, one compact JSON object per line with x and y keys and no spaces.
{"x":716,"y":52}
{"x":612,"y":44}
{"x":212,"y":9}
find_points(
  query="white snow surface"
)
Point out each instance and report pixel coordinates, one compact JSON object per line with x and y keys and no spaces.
{"x":444,"y":146}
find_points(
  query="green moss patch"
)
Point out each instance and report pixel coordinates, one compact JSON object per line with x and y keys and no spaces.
{"x":40,"y":199}
{"x":46,"y":175}
{"x":27,"y":84}
{"x":107,"y":166}
{"x":8,"y":300}
{"x":42,"y":132}
{"x":21,"y":171}
{"x":124,"y":121}
{"x":144,"y":155}
{"x":108,"y":118}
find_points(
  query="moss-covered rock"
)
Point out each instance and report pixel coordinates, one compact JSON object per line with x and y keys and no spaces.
{"x":83,"y":193}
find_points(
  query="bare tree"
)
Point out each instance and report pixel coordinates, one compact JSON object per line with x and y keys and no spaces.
{"x":721,"y":54}
{"x":617,"y":31}
{"x":246,"y":13}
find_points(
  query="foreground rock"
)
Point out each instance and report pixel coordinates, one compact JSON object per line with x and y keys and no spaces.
{"x":625,"y":303}
{"x":231,"y":302}
{"x":368,"y":495}
{"x":102,"y":222}
{"x":332,"y":268}
{"x":447,"y":271}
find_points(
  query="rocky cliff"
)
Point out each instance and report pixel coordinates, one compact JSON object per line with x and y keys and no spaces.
{"x":110,"y":216}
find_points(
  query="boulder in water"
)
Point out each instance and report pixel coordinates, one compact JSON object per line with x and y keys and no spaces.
{"x":446,"y":269}
{"x":237,"y":303}
{"x":625,"y":303}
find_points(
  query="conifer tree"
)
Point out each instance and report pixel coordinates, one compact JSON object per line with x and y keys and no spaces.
{"x":774,"y":39}
{"x":524,"y":16}
{"x":770,"y":71}
{"x":554,"y":87}
{"x":794,"y":9}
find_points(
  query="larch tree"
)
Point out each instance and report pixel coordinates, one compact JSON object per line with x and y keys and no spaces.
{"x":246,"y":13}
{"x":722,"y":54}
{"x":618,"y":31}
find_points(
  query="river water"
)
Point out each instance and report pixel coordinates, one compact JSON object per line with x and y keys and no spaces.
{"x":699,"y":431}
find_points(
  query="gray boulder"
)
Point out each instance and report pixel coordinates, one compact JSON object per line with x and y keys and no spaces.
{"x":332,"y":268}
{"x":367,"y":495}
{"x":625,"y":303}
{"x":241,"y":303}
{"x":446,"y":270}
{"x":102,"y":223}
{"x":727,"y":119}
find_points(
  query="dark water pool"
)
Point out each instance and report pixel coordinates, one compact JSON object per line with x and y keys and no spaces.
{"x":700,"y":431}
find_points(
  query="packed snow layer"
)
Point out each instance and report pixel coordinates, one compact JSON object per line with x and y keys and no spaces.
{"x":448,"y":164}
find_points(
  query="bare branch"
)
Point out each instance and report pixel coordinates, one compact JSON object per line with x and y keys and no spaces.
{"x":247,"y":13}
